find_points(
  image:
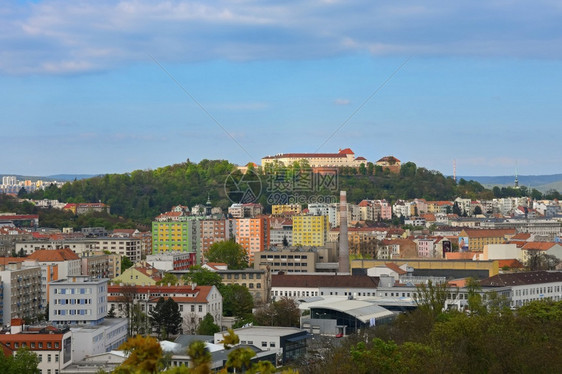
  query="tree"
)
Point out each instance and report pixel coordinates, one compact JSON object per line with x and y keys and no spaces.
{"x":477,"y":210}
{"x":125,"y":263}
{"x":285,"y":242}
{"x":200,"y":357}
{"x":166,"y":317}
{"x":229,"y":252}
{"x":202,"y":277}
{"x":230,"y":339}
{"x":240,"y":359}
{"x":431,"y":298}
{"x":111,"y":313}
{"x":168,"y":278}
{"x":208,"y":326}
{"x":236,"y":301}
{"x":144,"y":356}
{"x":23,"y":362}
{"x":127,"y":298}
{"x":284,"y":312}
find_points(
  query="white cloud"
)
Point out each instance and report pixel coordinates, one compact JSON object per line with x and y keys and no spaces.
{"x":342,"y":102}
{"x":55,"y":36}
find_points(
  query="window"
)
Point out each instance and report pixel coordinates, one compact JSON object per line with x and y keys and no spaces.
{"x":48,"y":358}
{"x":264,"y":344}
{"x":200,"y":308}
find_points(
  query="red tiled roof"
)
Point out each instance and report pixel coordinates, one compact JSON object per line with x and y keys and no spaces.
{"x":7,"y":260}
{"x":389,"y":159}
{"x":539,"y":246}
{"x":360,"y":158}
{"x":488,"y":233}
{"x":200,"y":293}
{"x":53,"y":255}
{"x":341,"y":153}
{"x":392,"y":266}
{"x":19,"y":216}
{"x":513,"y":264}
{"x":521,"y":236}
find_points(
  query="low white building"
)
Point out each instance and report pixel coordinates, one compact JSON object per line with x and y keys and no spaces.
{"x":96,"y":339}
{"x":307,"y":285}
{"x":528,"y":286}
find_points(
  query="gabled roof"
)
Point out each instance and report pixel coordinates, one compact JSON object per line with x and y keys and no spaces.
{"x":397,"y":269}
{"x":488,"y":233}
{"x":538,"y":246}
{"x":334,"y":281}
{"x":390,"y":159}
{"x":521,"y":236}
{"x":520,"y":279}
{"x":53,"y":255}
{"x":513,"y":264}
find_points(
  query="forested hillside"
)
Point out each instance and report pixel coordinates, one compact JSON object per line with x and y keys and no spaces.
{"x":143,"y":194}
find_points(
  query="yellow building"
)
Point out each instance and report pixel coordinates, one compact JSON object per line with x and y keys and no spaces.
{"x":284,"y":209}
{"x":474,"y":240}
{"x":310,"y":230}
{"x":140,"y":274}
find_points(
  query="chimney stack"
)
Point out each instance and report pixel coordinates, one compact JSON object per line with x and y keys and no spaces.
{"x":344,"y":240}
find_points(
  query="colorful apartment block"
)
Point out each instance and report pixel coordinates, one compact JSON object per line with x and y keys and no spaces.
{"x":310,"y":230}
{"x":253,"y":234}
{"x":182,"y":236}
{"x":286,"y":209}
{"x":215,"y":230}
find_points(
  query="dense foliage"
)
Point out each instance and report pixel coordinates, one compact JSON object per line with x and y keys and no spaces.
{"x":23,"y":362}
{"x":228,"y":252}
{"x":487,"y":341}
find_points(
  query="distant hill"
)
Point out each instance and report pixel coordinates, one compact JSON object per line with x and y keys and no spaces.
{"x":542,"y":183}
{"x":56,"y":177}
{"x":70,"y":177}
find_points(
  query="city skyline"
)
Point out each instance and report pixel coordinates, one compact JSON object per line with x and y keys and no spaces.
{"x":97,"y":87}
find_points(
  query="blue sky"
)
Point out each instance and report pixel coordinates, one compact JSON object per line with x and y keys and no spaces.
{"x":82,"y":89}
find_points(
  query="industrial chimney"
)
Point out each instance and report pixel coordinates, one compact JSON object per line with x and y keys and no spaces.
{"x":344,"y":240}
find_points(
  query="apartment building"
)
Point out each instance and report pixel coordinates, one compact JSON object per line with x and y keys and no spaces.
{"x":21,"y":289}
{"x":216,"y":230}
{"x":78,"y":300}
{"x":253,"y":234}
{"x":182,"y":236}
{"x":310,"y":230}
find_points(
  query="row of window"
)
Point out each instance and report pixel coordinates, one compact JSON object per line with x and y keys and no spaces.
{"x":72,"y":312}
{"x":243,"y":276}
{"x":33,"y":345}
{"x":72,"y":301}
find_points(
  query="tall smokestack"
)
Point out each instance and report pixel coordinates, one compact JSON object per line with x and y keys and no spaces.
{"x":344,"y":240}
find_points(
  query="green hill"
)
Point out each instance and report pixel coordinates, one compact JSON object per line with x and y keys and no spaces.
{"x":143,"y":194}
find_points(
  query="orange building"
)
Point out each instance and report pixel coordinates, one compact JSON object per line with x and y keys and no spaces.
{"x":253,"y":234}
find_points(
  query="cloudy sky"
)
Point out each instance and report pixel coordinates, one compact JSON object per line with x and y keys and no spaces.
{"x":95,"y":86}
